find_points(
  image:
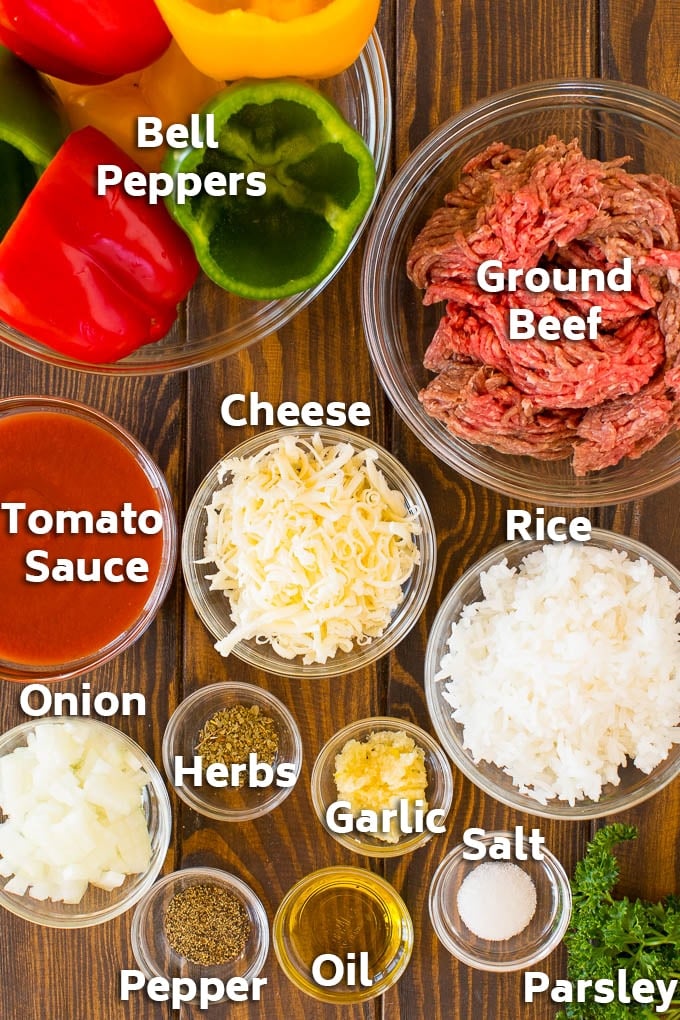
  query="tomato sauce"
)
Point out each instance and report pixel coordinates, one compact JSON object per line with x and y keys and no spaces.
{"x":53,"y":461}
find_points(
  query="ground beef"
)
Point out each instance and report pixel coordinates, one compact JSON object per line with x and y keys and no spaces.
{"x":550,"y":206}
{"x":480,"y":404}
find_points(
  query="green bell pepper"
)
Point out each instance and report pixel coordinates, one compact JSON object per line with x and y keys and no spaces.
{"x":32,"y":127}
{"x":320,"y":180}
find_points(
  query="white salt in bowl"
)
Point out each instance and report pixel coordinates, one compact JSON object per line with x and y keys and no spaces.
{"x":542,"y":934}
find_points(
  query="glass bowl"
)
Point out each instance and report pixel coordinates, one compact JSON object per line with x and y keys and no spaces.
{"x":40,"y":494}
{"x":543,"y":933}
{"x":230,"y":804}
{"x":634,"y":786}
{"x":340,"y":911}
{"x":213,"y":606}
{"x":439,"y":790}
{"x":97,"y":905}
{"x":214,"y":323}
{"x":610,"y":119}
{"x":157,"y":959}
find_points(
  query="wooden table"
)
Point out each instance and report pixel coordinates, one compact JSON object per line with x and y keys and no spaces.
{"x":443,"y":55}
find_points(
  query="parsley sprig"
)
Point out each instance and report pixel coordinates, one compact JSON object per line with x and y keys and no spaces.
{"x":607,"y":933}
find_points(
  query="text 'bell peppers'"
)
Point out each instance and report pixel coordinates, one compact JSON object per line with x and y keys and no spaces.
{"x":270,"y":38}
{"x":32,"y":127}
{"x":84,"y":41}
{"x":320,"y":181}
{"x":92,"y":277}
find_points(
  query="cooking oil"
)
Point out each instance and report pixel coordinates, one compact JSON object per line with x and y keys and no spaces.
{"x":353,"y":916}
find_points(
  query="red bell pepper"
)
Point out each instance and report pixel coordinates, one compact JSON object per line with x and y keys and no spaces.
{"x":92,"y":276}
{"x":84,"y":41}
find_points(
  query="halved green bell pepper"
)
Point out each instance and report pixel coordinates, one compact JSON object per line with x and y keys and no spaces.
{"x":320,"y":180}
{"x":32,"y":127}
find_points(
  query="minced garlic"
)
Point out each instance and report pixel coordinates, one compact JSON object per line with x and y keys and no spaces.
{"x":375,"y":773}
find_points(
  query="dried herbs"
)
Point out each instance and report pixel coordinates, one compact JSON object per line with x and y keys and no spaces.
{"x":231,"y":734}
{"x":207,"y":924}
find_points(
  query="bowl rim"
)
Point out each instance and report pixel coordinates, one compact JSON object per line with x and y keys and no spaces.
{"x":246,"y":690}
{"x":557,"y":877}
{"x":200,"y":873}
{"x":406,"y":614}
{"x":595,"y":489}
{"x":583,"y":810}
{"x":357,"y":875}
{"x":157,"y":791}
{"x":372,"y":67}
{"x":363,"y":727}
{"x":37,"y":404}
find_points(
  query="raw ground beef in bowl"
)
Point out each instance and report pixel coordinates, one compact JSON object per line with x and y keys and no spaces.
{"x":565,"y":176}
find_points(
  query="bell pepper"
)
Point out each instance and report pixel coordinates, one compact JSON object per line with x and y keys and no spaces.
{"x":270,"y":38}
{"x":171,"y":88}
{"x":84,"y":41}
{"x":32,"y":127}
{"x":320,"y":180}
{"x":92,"y":276}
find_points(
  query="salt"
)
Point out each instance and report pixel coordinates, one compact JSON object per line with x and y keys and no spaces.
{"x":497,"y":900}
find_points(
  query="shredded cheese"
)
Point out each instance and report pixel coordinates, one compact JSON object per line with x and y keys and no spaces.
{"x":312,"y":547}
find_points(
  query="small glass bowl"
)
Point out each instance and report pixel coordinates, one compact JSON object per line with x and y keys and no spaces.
{"x":543,"y":933}
{"x":213,"y":606}
{"x":439,"y":790}
{"x":97,"y":905}
{"x":157,"y":959}
{"x":229,"y":804}
{"x":610,"y":119}
{"x":29,"y":673}
{"x":634,"y":786}
{"x":214,"y":323}
{"x":339,"y":911}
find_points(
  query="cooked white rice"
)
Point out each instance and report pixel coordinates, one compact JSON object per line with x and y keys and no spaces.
{"x":567,"y":668}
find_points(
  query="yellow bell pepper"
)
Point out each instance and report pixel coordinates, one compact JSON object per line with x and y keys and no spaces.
{"x":270,"y":38}
{"x":171,"y":88}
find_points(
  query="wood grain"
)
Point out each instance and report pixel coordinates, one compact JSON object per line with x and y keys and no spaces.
{"x":443,"y":55}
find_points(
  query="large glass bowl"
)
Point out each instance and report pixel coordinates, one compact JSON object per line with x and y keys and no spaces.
{"x":634,"y":786}
{"x":543,"y":933}
{"x":214,"y":323}
{"x":610,"y":119}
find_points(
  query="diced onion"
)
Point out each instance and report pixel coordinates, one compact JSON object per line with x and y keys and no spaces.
{"x":74,"y":814}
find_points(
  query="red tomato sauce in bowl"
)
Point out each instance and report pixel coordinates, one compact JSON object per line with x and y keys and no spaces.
{"x":87,"y":539}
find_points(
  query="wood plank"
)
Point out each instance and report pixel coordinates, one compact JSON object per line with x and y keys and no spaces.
{"x":641,"y":44}
{"x":448,"y":57}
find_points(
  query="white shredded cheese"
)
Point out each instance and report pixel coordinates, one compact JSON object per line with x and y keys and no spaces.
{"x":568,"y":668}
{"x":312,"y":547}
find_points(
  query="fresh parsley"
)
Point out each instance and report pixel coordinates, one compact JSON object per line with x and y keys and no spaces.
{"x":606,"y":933}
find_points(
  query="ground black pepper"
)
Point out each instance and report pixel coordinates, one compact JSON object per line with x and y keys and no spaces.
{"x":207,"y":924}
{"x":230,"y":735}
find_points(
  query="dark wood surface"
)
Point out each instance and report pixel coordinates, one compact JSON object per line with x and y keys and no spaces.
{"x":443,"y":55}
